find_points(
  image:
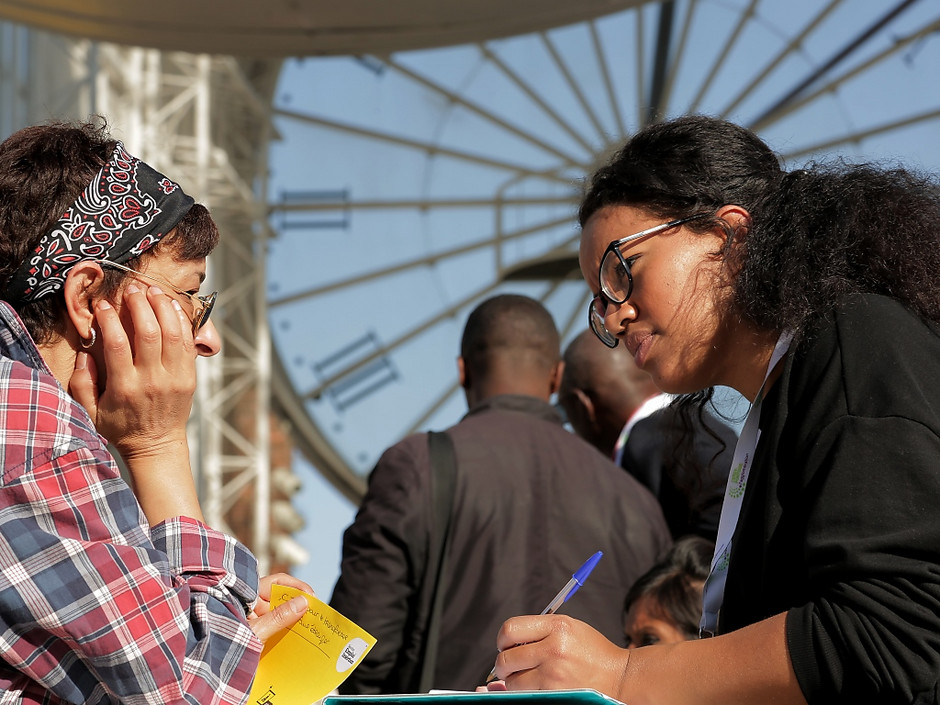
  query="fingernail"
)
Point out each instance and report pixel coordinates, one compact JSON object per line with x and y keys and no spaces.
{"x":298,"y":605}
{"x":132,"y":289}
{"x":176,"y":304}
{"x":81,"y":362}
{"x":104,"y":305}
{"x":156,"y":290}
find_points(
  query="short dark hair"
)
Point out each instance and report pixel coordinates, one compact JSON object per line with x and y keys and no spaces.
{"x":509,"y":324}
{"x":43,"y":170}
{"x":675,"y":584}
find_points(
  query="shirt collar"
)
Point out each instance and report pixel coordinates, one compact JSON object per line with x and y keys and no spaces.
{"x":519,"y":403}
{"x":16,"y":342}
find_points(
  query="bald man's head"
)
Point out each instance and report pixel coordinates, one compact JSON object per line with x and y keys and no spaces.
{"x":600,"y":389}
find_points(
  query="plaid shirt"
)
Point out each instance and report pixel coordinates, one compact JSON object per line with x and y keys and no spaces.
{"x":95,"y":605}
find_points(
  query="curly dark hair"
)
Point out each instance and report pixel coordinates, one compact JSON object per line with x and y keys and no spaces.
{"x":815,"y":235}
{"x":43,"y":169}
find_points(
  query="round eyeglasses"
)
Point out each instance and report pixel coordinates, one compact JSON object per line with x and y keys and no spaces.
{"x":615,"y":280}
{"x":596,"y":309}
{"x":202,"y":305}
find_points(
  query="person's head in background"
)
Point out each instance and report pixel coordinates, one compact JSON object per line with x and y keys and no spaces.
{"x":510,"y":345}
{"x":75,"y":208}
{"x":600,"y":390}
{"x":665,"y":605}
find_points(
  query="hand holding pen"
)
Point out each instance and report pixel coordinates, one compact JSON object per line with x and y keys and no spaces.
{"x":577,"y":580}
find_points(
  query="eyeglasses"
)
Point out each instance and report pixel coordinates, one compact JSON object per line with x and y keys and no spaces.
{"x":202,"y":305}
{"x":615,"y":280}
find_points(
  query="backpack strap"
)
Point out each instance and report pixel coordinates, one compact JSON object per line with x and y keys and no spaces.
{"x":443,"y":486}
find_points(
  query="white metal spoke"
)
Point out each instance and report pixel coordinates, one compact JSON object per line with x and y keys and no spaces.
{"x":608,"y":81}
{"x":677,"y":57}
{"x":719,"y":62}
{"x":387,"y":349}
{"x":427,"y":147}
{"x":831,"y":86}
{"x":422,"y":204}
{"x":573,"y":84}
{"x":791,"y":47}
{"x":424,"y":261}
{"x":489,"y":116}
{"x":535,"y":97}
{"x":640,"y":61}
{"x":860,"y":135}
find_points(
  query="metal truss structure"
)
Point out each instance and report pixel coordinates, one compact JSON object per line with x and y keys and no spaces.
{"x":206,"y":122}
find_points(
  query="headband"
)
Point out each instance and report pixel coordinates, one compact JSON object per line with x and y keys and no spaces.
{"x":125,"y":210}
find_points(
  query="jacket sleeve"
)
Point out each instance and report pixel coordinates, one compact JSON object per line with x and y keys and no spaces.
{"x":383,"y":562}
{"x":872,"y":629}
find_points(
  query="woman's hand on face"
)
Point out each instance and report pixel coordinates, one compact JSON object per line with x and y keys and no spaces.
{"x":150,"y":373}
{"x":266,"y":621}
{"x":551,"y":652}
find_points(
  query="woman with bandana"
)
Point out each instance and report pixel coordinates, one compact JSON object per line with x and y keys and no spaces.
{"x":110,"y":594}
{"x":816,"y":294}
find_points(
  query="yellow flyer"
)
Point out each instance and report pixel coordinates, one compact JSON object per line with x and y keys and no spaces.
{"x":308,"y":661}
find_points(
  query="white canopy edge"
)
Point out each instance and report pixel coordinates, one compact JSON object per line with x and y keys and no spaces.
{"x":282,"y":28}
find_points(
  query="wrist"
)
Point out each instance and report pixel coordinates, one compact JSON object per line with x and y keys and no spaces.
{"x":162,"y":480}
{"x":134,"y":448}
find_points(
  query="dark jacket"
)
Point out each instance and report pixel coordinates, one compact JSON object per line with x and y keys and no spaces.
{"x":689,"y":489}
{"x":840,"y":525}
{"x":533,"y":502}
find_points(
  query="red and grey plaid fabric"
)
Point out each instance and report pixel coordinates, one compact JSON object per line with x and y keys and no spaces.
{"x":95,"y":606}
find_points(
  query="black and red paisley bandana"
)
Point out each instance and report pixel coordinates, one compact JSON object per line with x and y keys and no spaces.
{"x":125,"y":210}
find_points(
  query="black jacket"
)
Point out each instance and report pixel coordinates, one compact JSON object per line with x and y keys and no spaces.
{"x":840,"y":525}
{"x":689,"y":489}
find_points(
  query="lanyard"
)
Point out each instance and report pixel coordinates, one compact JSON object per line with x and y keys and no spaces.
{"x":714,"y":592}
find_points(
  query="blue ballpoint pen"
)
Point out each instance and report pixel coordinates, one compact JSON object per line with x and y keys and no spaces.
{"x":577,"y":580}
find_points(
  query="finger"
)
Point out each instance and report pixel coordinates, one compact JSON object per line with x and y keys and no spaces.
{"x":263,"y":603}
{"x":115,"y":345}
{"x":178,"y":347}
{"x":83,"y":384}
{"x":286,"y":579}
{"x":511,"y":662}
{"x":266,"y":582}
{"x":147,"y":336}
{"x":282,"y":617}
{"x":522,"y":630}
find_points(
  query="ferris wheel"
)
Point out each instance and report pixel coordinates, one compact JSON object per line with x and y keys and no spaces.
{"x":406,"y":187}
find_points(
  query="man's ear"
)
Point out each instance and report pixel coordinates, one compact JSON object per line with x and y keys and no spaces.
{"x":554,"y":382}
{"x":587,"y":404}
{"x":82,"y":284}
{"x":462,"y":373}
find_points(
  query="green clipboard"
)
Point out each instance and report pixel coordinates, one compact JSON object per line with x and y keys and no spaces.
{"x":580,"y":696}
